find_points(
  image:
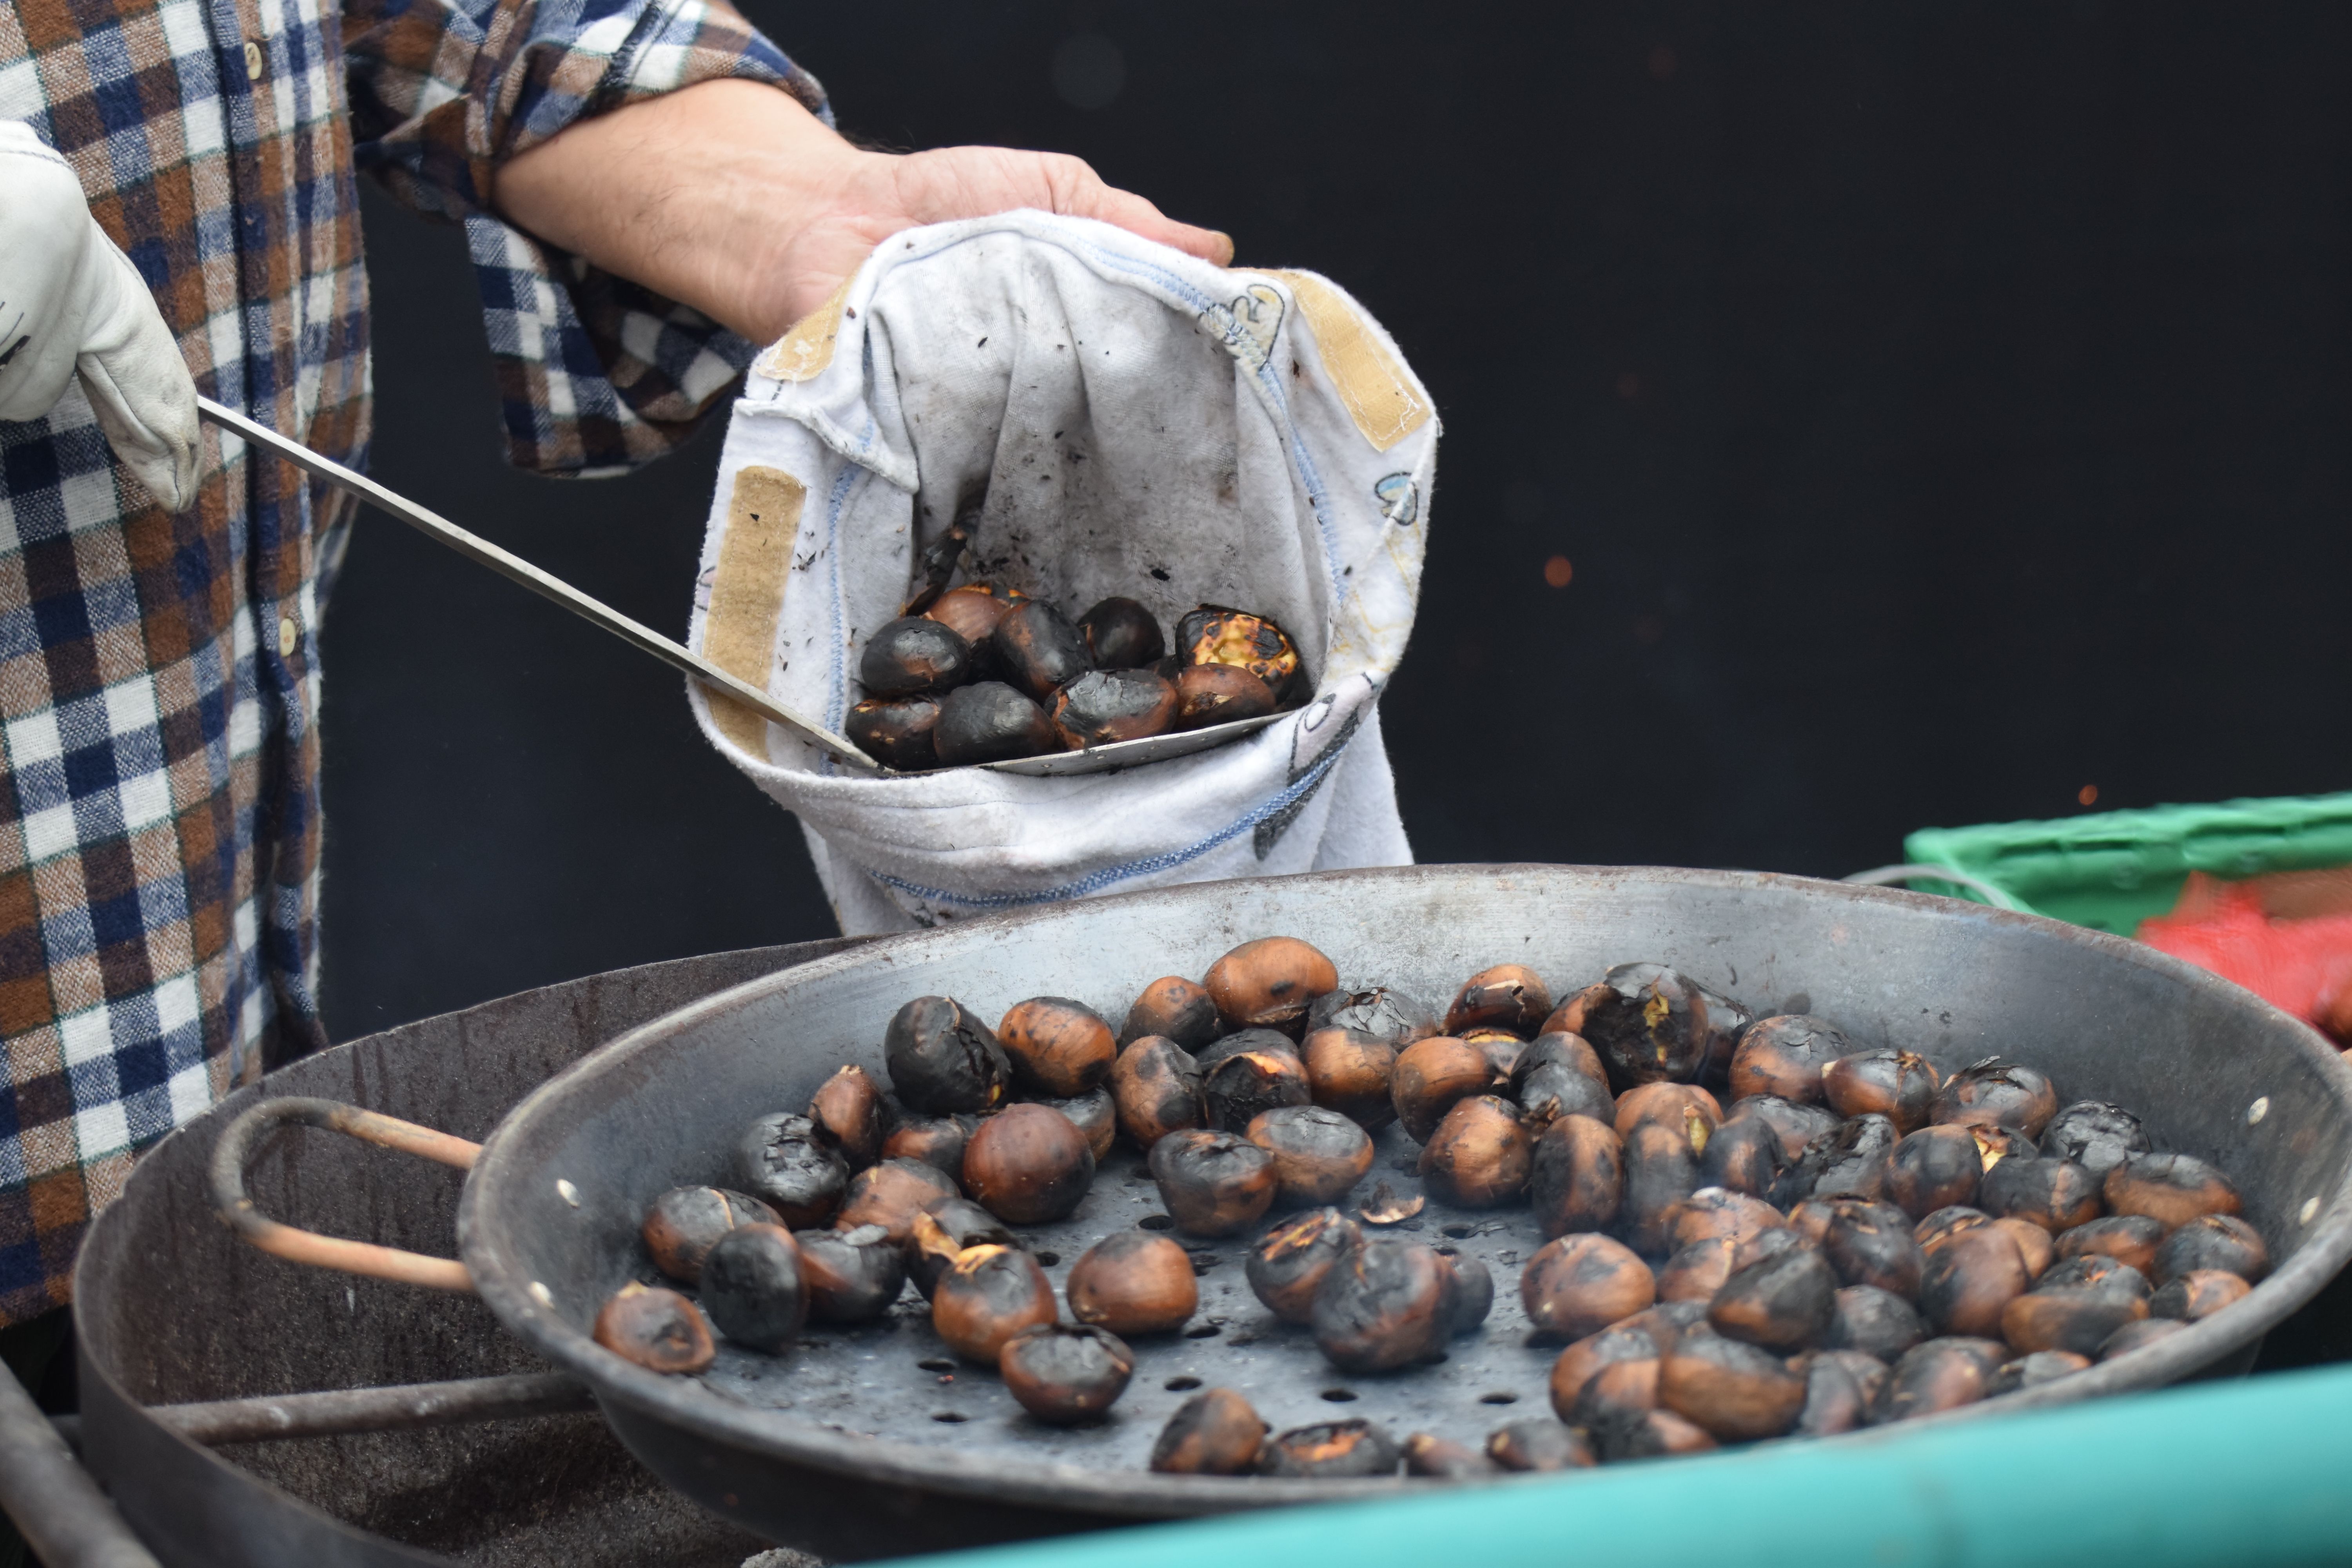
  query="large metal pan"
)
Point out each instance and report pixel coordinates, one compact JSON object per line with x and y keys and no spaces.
{"x":867,"y":1442}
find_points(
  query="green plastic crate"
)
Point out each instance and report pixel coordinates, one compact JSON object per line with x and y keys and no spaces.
{"x":2117,"y":868}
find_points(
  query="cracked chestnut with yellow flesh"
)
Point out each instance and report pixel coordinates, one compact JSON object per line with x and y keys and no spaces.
{"x":1647,"y":1022}
{"x":1027,"y":1165}
{"x":1786,"y":1055}
{"x":1479,"y":1156}
{"x":751,"y":1288}
{"x":1212,"y":1183}
{"x":1120,"y":634}
{"x":1969,"y":1279}
{"x":684,"y":1223}
{"x":1934,"y":1168}
{"x":1319,"y":1155}
{"x":913,"y":654}
{"x":851,"y":1276}
{"x":1329,"y":1449}
{"x":1386,"y":1304}
{"x":656,"y":1329}
{"x":1104,"y":707}
{"x":900,"y":732}
{"x":1576,"y":1175}
{"x":2130,"y":1238}
{"x":1897,"y":1085}
{"x":1289,"y":1264}
{"x":785,"y":1165}
{"x":1155,"y":1086}
{"x":1215,"y":1433}
{"x":1056,"y":1046}
{"x":1509,"y":996}
{"x":942,"y":1231}
{"x":989,"y":721}
{"x":1579,"y":1284}
{"x":942,"y":1059}
{"x":2001,"y":1094}
{"x":1173,"y":1008}
{"x":1269,"y":984}
{"x":1210,"y":694}
{"x":1541,"y":1444}
{"x":1348,"y":1071}
{"x":989,"y":1294}
{"x":937,"y":1141}
{"x":891,"y":1194}
{"x":849,"y":1113}
{"x":1734,"y":1391}
{"x":1784,"y":1302}
{"x":1133,"y":1282}
{"x":1430,"y":1075}
{"x":2209,"y":1241}
{"x":1066,"y":1374}
{"x":1215,"y":634}
{"x":2174,"y":1188}
{"x":1683,"y":1107}
{"x":2056,"y":1195}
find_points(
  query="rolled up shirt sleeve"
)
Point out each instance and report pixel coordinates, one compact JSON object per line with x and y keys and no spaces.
{"x":595,"y":375}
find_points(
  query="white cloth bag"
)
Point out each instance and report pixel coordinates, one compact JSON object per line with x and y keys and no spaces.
{"x":1144,"y":424}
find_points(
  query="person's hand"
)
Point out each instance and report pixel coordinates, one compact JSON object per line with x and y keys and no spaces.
{"x":71,"y":305}
{"x":733,"y":198}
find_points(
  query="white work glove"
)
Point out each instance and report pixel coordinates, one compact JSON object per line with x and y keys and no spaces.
{"x":71,"y":304}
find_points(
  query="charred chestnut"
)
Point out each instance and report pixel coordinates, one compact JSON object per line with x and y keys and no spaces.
{"x":1744,"y":1156}
{"x":972,"y":611}
{"x":1156,"y":1087}
{"x":1897,"y":1085}
{"x":1576,"y":1175}
{"x":2034,"y":1243}
{"x":1648,"y":1024}
{"x":1172,"y":1008}
{"x":1133,"y":1282}
{"x":1995,"y":1145}
{"x":2132,"y":1336}
{"x":1037,"y":649}
{"x":1387,"y":1303}
{"x":1331,"y":1448}
{"x":683,"y":1225}
{"x":2174,"y":1188}
{"x":1841,"y":1390}
{"x":937,"y":1141}
{"x":988,"y":1295}
{"x":1541,"y":1444}
{"x":1289,"y":1264}
{"x":1066,"y":1373}
{"x":942,"y":1059}
{"x":1796,"y":1123}
{"x":1215,"y":635}
{"x":1120,"y":634}
{"x":1682,"y":1108}
{"x":1579,"y":1284}
{"x":942,"y":1231}
{"x":1212,"y":1183}
{"x":1215,"y":1433}
{"x":1473,"y":1292}
{"x":900,"y":732}
{"x":1056,"y":1046}
{"x":1947,"y":1223}
{"x":1236,"y":1089}
{"x":1651,"y":1435}
{"x":1347,"y":1071}
{"x":1504,"y":1051}
{"x":2209,"y":1241}
{"x":1444,"y":1460}
{"x":989,"y":721}
{"x":751,"y":1288}
{"x":912,"y":654}
{"x":1628,"y":1354}
{"x":2096,"y":1135}
{"x":1380,"y":1012}
{"x":1938,"y":1374}
{"x":1026,"y":1165}
{"x":1096,"y":1116}
{"x":784,"y":1163}
{"x":1720,"y":1212}
{"x":1509,"y":996}
{"x":655,"y":1328}
{"x":1269,"y":984}
{"x":2196,"y":1295}
{"x":1970,"y":1280}
{"x":2129,"y":1239}
{"x":1266,"y":1042}
{"x":1934,"y":1168}
{"x":851,"y":1276}
{"x":1659,"y":1174}
{"x":1735,"y":1392}
{"x":1430,"y":1075}
{"x":1871,"y":1244}
{"x":1784,"y":1302}
{"x":2076,"y":1307}
{"x":1478,"y":1157}
{"x":1696,"y":1271}
{"x":2033,"y":1370}
{"x":849,"y":1113}
{"x":1875,"y":1321}
{"x":1210,"y":694}
{"x":2056,"y":1195}
{"x":1319,"y":1155}
{"x":1851,"y":1160}
{"x":2001,"y":1094}
{"x":891,"y":1194}
{"x":1786,"y":1056}
{"x":1103,"y":707}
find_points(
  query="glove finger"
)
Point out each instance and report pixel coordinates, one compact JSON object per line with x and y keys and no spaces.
{"x":45,"y":248}
{"x":140,"y":389}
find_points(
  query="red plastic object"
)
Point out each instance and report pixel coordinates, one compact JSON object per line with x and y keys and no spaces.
{"x":2288,"y":939}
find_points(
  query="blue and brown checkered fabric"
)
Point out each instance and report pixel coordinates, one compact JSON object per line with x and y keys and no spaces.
{"x":159,"y":687}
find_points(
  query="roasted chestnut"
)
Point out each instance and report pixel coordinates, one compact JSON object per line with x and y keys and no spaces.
{"x":1842,"y":1387}
{"x":1319,"y":1155}
{"x":1786,"y":1055}
{"x":972,"y":611}
{"x":1215,"y":635}
{"x":2132,"y":1336}
{"x":851,"y":1276}
{"x":1210,"y":694}
{"x":1444,"y":1460}
{"x":1066,"y":1373}
{"x":900,"y":732}
{"x":2126,"y":1237}
{"x":1096,"y":1116}
{"x":1969,"y":1279}
{"x":1734,"y":1390}
{"x":784,"y":1163}
{"x":1851,"y":1160}
{"x":1378,"y":1011}
{"x":1720,"y":1211}
{"x":1474,"y":1290}
{"x":1744,"y":1156}
{"x":1659,"y":1174}
{"x":942,"y":1059}
{"x":1236,"y":1089}
{"x":1797,"y":1123}
{"x":1871,"y":1244}
{"x":988,"y":1295}
{"x":1768,"y":1244}
{"x":989,"y":721}
{"x":1576,"y":1175}
{"x":1331,"y":1448}
{"x":1579,"y":1284}
{"x":1784,"y":1302}
{"x":2075,"y":1306}
{"x":1347,"y":1071}
{"x":2096,"y":1135}
{"x":2209,"y":1241}
{"x":936,"y":1141}
{"x":1269,"y":984}
{"x":1875,"y":1321}
{"x":1648,"y":1024}
{"x":1938,"y":1374}
{"x":1503,"y":1049}
{"x":1286,"y":1266}
{"x":1056,"y":1046}
{"x":1215,"y":1433}
{"x":891,"y":1194}
{"x":1120,"y":634}
{"x":1156,"y":1086}
{"x":1430,"y":1075}
{"x":1995,"y":1145}
{"x":1133,"y":1282}
{"x":912,"y":654}
{"x":1037,"y":648}
{"x":1933,"y":1168}
{"x":850,"y":1114}
{"x":1696,"y":1271}
{"x":1562,"y":1051}
{"x":2196,"y":1295}
{"x":1212,"y":1183}
{"x":1478,"y":1157}
{"x":1269,"y":1042}
{"x":1650,"y":1434}
{"x":1026,"y":1165}
{"x":1540,"y":1444}
{"x":1103,"y":707}
{"x":1388,"y":1302}
{"x":1998,"y":1093}
{"x":2033,"y":1370}
{"x":1897,"y":1085}
{"x":683,"y":1225}
{"x":1682,"y":1108}
{"x":655,"y":1328}
{"x":942,"y":1231}
{"x":1173,"y":1008}
{"x":2174,"y":1188}
{"x":1944,"y":1223}
{"x":2056,"y":1195}
{"x":1509,"y":996}
{"x":751,"y":1288}
{"x":2034,"y":1243}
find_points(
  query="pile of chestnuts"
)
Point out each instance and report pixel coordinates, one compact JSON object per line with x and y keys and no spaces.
{"x":1754,"y":1227}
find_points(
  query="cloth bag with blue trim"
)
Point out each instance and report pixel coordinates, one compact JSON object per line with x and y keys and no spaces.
{"x":1142,"y":423}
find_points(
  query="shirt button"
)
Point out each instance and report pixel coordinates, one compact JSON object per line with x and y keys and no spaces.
{"x":288,"y":636}
{"x":253,"y":61}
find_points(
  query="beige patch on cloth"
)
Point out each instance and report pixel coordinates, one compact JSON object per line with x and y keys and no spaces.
{"x":1370,"y":379}
{"x":807,"y":349}
{"x":747,"y":594}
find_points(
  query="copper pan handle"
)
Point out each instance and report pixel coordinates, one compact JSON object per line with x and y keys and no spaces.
{"x":236,"y":1211}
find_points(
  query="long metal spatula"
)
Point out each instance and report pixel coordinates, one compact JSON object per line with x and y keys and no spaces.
{"x":506,"y":563}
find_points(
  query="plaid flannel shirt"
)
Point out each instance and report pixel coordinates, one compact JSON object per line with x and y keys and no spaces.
{"x":159,"y":686}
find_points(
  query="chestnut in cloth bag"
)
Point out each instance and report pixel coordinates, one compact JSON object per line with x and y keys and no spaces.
{"x":1142,"y":423}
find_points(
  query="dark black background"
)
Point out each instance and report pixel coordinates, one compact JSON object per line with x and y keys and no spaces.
{"x":1943,"y":409}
